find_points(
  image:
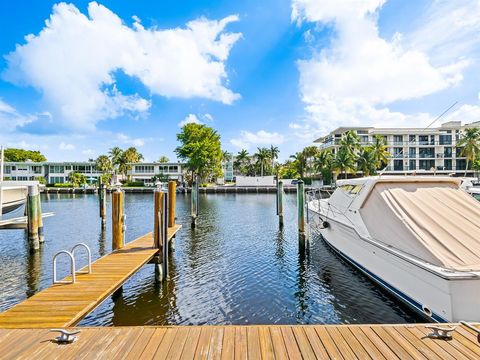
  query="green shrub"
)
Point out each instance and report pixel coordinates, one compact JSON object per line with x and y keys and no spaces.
{"x":64,"y":185}
{"x":133,"y":184}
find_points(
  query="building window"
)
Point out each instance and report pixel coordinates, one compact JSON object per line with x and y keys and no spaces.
{"x":426,"y":152}
{"x":461,"y":164}
{"x":397,"y":152}
{"x":412,"y":165}
{"x":458,"y":152}
{"x":173,"y":169}
{"x":447,"y":165}
{"x":7,"y":169}
{"x":412,"y":152}
{"x":447,"y":152}
{"x":445,"y":139}
{"x":412,"y":139}
{"x":145,"y":169}
{"x":56,"y":169}
{"x":426,"y":164}
{"x":423,"y":139}
{"x":57,"y":180}
{"x":398,"y":165}
{"x":398,"y":139}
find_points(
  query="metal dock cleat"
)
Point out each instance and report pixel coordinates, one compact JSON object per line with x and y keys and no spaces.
{"x":66,"y":337}
{"x":438,"y":332}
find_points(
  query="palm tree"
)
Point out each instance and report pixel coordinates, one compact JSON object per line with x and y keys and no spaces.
{"x":380,"y":151}
{"x":323,"y":160}
{"x":129,"y":156}
{"x":115,"y":156}
{"x":299,"y":162}
{"x":366,"y":161}
{"x":309,"y":154}
{"x":274,"y":151}
{"x":241,"y":160}
{"x":470,"y":142}
{"x":262,"y":155}
{"x":163,"y":159}
{"x":103,"y":164}
{"x":350,"y":141}
{"x":344,"y":162}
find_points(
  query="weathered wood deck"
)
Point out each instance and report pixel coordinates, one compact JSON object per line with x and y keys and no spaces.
{"x":64,"y":305}
{"x":243,"y":342}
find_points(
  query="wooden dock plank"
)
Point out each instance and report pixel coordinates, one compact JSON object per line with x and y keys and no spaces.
{"x":64,"y":305}
{"x":252,"y":342}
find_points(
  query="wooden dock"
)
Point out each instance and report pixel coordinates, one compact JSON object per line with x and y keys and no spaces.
{"x":64,"y":305}
{"x":243,"y":342}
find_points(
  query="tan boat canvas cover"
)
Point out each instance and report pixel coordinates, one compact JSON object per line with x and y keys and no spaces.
{"x":436,"y":222}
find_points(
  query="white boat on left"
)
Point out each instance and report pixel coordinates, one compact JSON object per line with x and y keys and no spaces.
{"x":12,"y":197}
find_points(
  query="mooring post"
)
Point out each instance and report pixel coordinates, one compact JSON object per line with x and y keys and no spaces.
{"x":194,"y":203}
{"x":117,"y":219}
{"x":278,"y":196}
{"x":280,"y":203}
{"x":41,"y":236}
{"x":157,"y":209}
{"x":164,"y":223}
{"x":172,"y":192}
{"x":301,"y":208}
{"x":32,"y":216}
{"x":102,"y":198}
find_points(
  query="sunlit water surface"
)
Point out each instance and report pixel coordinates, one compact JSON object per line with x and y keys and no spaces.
{"x":236,"y":267}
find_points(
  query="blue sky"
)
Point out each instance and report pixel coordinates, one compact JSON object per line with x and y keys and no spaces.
{"x":281,"y":72}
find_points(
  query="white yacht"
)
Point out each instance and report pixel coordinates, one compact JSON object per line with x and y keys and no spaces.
{"x":418,"y":237}
{"x":12,"y":197}
{"x":472,"y":186}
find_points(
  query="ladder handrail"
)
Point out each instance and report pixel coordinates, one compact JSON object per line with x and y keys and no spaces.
{"x":72,"y":267}
{"x":89,"y":254}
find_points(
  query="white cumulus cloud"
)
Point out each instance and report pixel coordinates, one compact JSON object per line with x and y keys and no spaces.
{"x":65,"y":146}
{"x":248,"y":139}
{"x":73,"y":60}
{"x":189,"y":119}
{"x":353,"y":81}
{"x":125,"y":139}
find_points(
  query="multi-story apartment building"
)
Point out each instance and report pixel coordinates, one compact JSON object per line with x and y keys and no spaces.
{"x":58,"y":172}
{"x":412,"y":149}
{"x":52,"y":172}
{"x":227,"y":168}
{"x":144,"y":172}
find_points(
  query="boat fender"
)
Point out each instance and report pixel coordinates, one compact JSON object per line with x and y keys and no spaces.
{"x":325,"y":225}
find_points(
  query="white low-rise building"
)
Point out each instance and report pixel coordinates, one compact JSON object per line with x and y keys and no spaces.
{"x":145,"y":172}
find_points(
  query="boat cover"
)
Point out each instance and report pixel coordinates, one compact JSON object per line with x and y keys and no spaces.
{"x":436,"y":222}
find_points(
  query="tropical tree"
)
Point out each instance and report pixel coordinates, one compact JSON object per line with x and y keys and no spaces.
{"x":77,"y":179}
{"x":241,"y":160}
{"x":350,"y":141}
{"x":344,"y":161}
{"x":380,"y":151}
{"x":470,"y":144}
{"x":103,"y":164}
{"x":299,"y":161}
{"x":163,"y":159}
{"x":21,"y":155}
{"x":200,"y":149}
{"x":274,"y":151}
{"x":129,"y":156}
{"x":262,"y":155}
{"x":366,"y":161}
{"x":115,"y":157}
{"x":323,"y":163}
{"x":309,"y":154}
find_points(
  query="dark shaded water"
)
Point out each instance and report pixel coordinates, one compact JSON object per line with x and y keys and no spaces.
{"x":236,"y":267}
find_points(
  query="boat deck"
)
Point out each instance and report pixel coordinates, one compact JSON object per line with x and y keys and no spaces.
{"x":63,"y":305}
{"x":243,"y":342}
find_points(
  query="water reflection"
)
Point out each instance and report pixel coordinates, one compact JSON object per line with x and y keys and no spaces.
{"x":235,"y":267}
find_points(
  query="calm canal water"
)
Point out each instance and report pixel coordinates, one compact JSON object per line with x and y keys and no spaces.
{"x":236,"y":267}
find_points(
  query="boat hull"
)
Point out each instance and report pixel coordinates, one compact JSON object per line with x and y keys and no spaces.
{"x":438,"y":298}
{"x":13,"y":198}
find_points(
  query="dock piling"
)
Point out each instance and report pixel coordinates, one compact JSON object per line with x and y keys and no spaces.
{"x":157,"y":210}
{"x":194,"y":203}
{"x":280,"y":203}
{"x":301,"y":208}
{"x":172,"y":192}
{"x":102,"y":197}
{"x":164,"y":224}
{"x":117,"y":220}
{"x":32,"y":215}
{"x":41,"y":236}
